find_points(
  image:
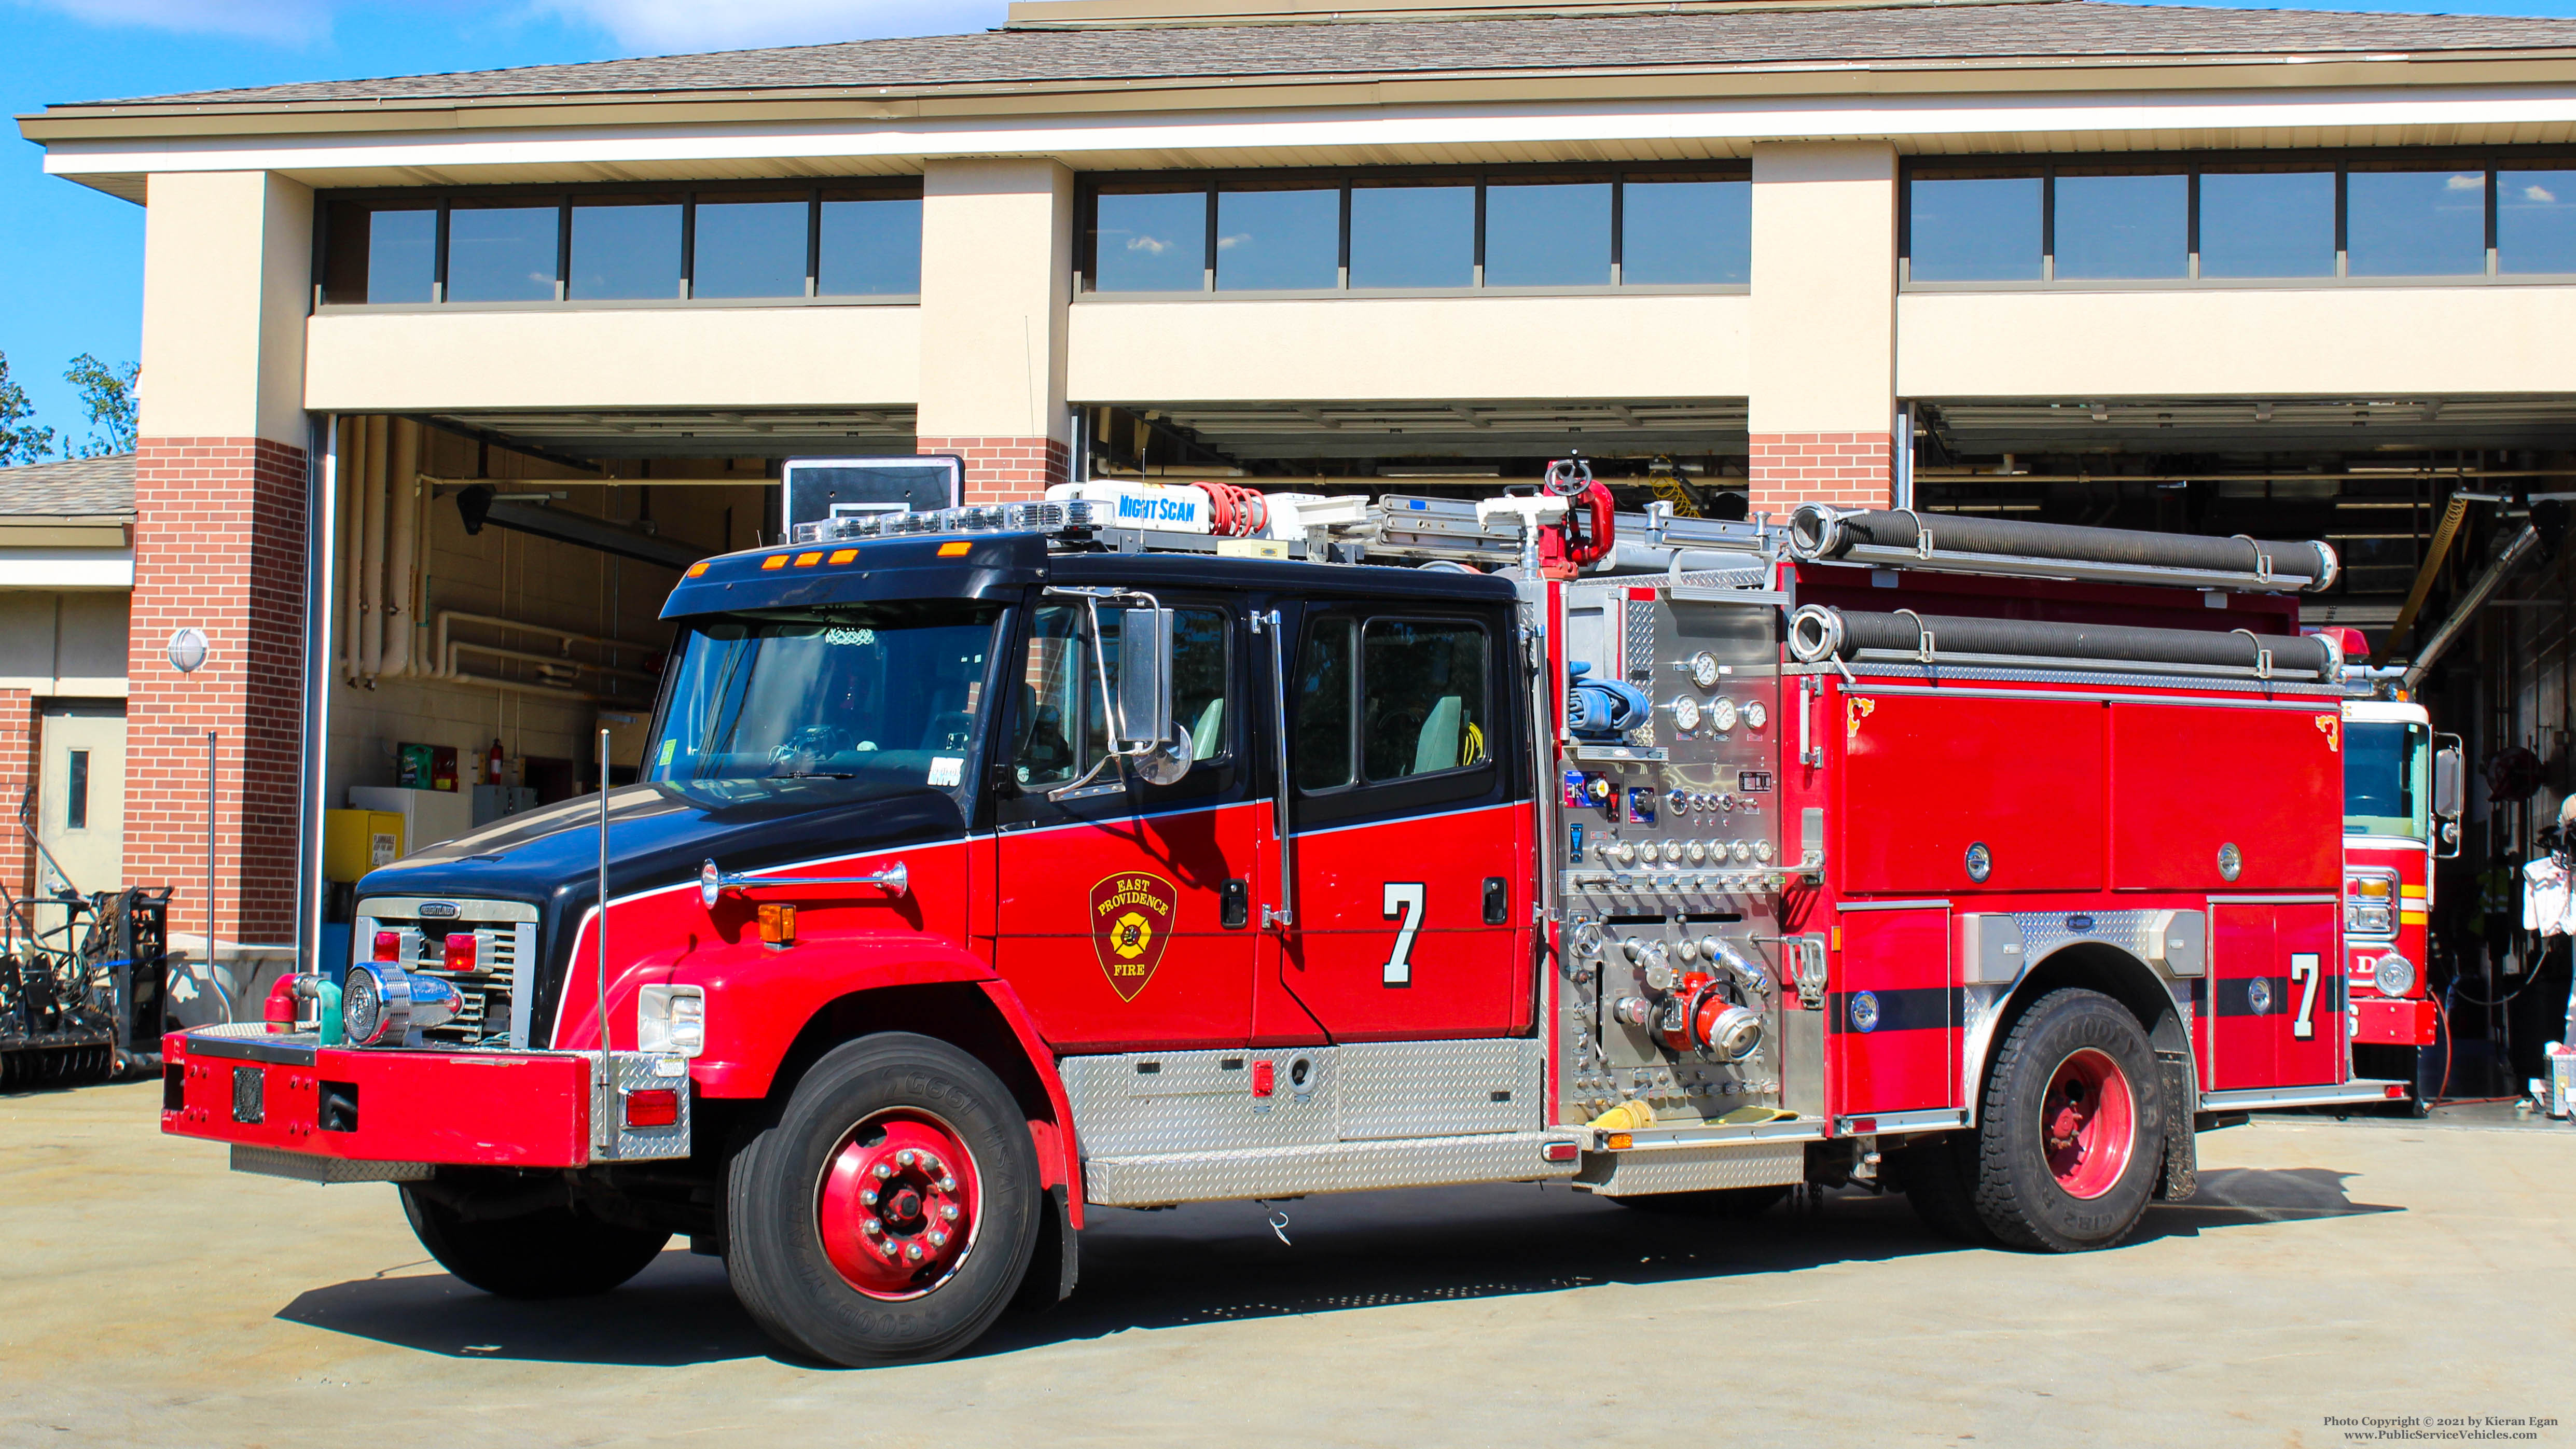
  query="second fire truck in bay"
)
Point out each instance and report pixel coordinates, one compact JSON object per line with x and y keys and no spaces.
{"x":995,"y":866}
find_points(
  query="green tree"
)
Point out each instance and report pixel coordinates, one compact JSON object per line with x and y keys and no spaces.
{"x":21,"y":441}
{"x":108,"y":394}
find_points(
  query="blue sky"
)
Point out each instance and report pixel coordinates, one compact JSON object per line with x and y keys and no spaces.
{"x":71,"y":259}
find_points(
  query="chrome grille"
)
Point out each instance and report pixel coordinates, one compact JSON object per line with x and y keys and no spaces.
{"x":496,"y":992}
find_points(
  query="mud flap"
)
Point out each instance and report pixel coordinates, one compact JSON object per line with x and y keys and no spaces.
{"x":2181,"y":1177}
{"x":1056,"y":1262}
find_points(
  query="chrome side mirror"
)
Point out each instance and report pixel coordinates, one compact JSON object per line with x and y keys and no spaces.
{"x":1156,"y":745}
{"x":2446,"y":783}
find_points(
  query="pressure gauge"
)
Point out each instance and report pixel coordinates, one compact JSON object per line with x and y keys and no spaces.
{"x":1686,"y":713}
{"x":1755,"y":716}
{"x":1742,"y":851}
{"x":1699,"y":852}
{"x":1648,"y":853}
{"x":1703,"y":667}
{"x":1762,"y":851}
{"x":1721,"y":715}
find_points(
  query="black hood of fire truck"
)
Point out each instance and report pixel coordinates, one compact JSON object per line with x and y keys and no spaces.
{"x":657,"y":836}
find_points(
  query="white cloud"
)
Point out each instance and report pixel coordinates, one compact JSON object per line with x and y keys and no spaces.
{"x":1150,"y":246}
{"x":286,"y":22}
{"x":2541,"y":194}
{"x":1229,"y":243}
{"x":2467,"y":183}
{"x":683,"y":25}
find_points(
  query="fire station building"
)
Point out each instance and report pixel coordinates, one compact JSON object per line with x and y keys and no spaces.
{"x":445,"y":376}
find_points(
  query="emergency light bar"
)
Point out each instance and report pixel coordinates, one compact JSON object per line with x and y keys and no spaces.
{"x":1055,"y":516}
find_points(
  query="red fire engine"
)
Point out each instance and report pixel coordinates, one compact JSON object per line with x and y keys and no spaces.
{"x":996,"y":864}
{"x":2401,"y":812}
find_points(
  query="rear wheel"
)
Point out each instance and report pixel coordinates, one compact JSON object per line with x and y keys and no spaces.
{"x":2072,"y":1134}
{"x":1722,"y":1202}
{"x":891,"y":1211}
{"x":550,"y":1253}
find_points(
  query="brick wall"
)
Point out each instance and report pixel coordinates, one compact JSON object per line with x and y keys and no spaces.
{"x":1005,"y":470}
{"x":1848,"y":470}
{"x":218,"y":544}
{"x":20,"y":760}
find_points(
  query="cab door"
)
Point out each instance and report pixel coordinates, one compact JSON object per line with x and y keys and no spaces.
{"x":1411,"y":826}
{"x":1122,"y":917}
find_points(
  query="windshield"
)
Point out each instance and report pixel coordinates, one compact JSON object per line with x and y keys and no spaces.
{"x":2384,"y":787}
{"x":886,"y":693}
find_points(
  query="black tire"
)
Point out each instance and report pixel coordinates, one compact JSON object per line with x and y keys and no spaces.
{"x":1936,"y":1175}
{"x":2018,"y":1197}
{"x":550,"y":1253}
{"x":774,"y":1188}
{"x":1722,"y":1202}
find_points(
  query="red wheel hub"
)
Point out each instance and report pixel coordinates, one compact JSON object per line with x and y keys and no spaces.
{"x":2088,"y":1123}
{"x":897,"y":1207}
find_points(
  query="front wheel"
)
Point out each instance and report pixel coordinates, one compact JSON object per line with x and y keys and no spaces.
{"x":2071,"y":1141}
{"x":891,"y":1211}
{"x":552,"y":1252}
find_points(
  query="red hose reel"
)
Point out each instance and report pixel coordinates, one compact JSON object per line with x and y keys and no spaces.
{"x":1234,"y":511}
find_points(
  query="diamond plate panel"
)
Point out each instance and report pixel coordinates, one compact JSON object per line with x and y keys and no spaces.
{"x":1200,"y":1101}
{"x":633,"y":1071}
{"x":1438,"y":1088}
{"x":305,"y":1167}
{"x":2043,"y":932}
{"x":1694,"y":1169}
{"x":1332,"y":1167}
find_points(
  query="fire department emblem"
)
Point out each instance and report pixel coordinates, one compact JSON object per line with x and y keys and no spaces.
{"x":1131,"y":920}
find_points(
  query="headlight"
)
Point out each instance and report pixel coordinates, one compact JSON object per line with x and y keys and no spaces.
{"x":671,"y":1019}
{"x":2370,"y":904}
{"x":2393,"y":974}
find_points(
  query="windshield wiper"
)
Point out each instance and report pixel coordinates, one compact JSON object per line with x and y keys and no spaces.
{"x":814,"y":775}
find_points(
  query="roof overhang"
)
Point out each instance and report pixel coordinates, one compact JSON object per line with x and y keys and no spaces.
{"x":2100,"y":104}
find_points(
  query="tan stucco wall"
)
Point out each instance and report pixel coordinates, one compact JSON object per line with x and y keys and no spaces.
{"x":1824,"y":287}
{"x":996,"y":271}
{"x":70,"y":643}
{"x":613,"y":358}
{"x":1389,"y":349}
{"x":2258,"y":341}
{"x":227,"y":264}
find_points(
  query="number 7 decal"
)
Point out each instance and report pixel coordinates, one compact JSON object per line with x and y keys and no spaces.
{"x":1403,"y":897}
{"x":2304,"y":971}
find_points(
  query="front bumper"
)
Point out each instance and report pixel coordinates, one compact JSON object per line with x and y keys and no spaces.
{"x":286,"y":1096}
{"x":2385,"y":1022}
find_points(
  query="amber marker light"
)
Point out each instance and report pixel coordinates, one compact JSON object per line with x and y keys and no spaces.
{"x":774,"y":561}
{"x":843,"y":555}
{"x":953,"y":550}
{"x":808,"y":560}
{"x":698,"y":569}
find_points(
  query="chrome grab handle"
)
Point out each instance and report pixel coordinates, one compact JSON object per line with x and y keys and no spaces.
{"x":1283,"y":916}
{"x":713,"y":882}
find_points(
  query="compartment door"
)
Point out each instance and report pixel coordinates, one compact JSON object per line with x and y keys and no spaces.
{"x":1892,"y":1014}
{"x":2276,"y":1002}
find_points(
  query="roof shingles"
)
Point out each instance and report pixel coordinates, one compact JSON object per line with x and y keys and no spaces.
{"x":2045,"y":29}
{"x":74,"y":488}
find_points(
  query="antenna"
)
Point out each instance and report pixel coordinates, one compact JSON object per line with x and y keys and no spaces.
{"x":603,"y":1129}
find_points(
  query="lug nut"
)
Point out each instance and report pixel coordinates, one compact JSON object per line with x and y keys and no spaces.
{"x":889,"y":1249}
{"x":930,"y":1164}
{"x":912,"y":1252}
{"x":868,"y":1196}
{"x":939,"y":1237}
{"x":947,"y":1184}
{"x":882,"y":1171}
{"x":948,"y":1210}
{"x":871,"y":1227}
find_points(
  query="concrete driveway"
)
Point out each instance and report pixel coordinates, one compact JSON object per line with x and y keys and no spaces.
{"x":2371,"y":1270}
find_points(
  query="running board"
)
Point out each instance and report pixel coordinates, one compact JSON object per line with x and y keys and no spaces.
{"x":1160,"y":1179}
{"x":2257,"y":1099}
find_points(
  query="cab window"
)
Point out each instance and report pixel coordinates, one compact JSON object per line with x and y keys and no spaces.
{"x":1390,"y":699}
{"x":1061,"y":718}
